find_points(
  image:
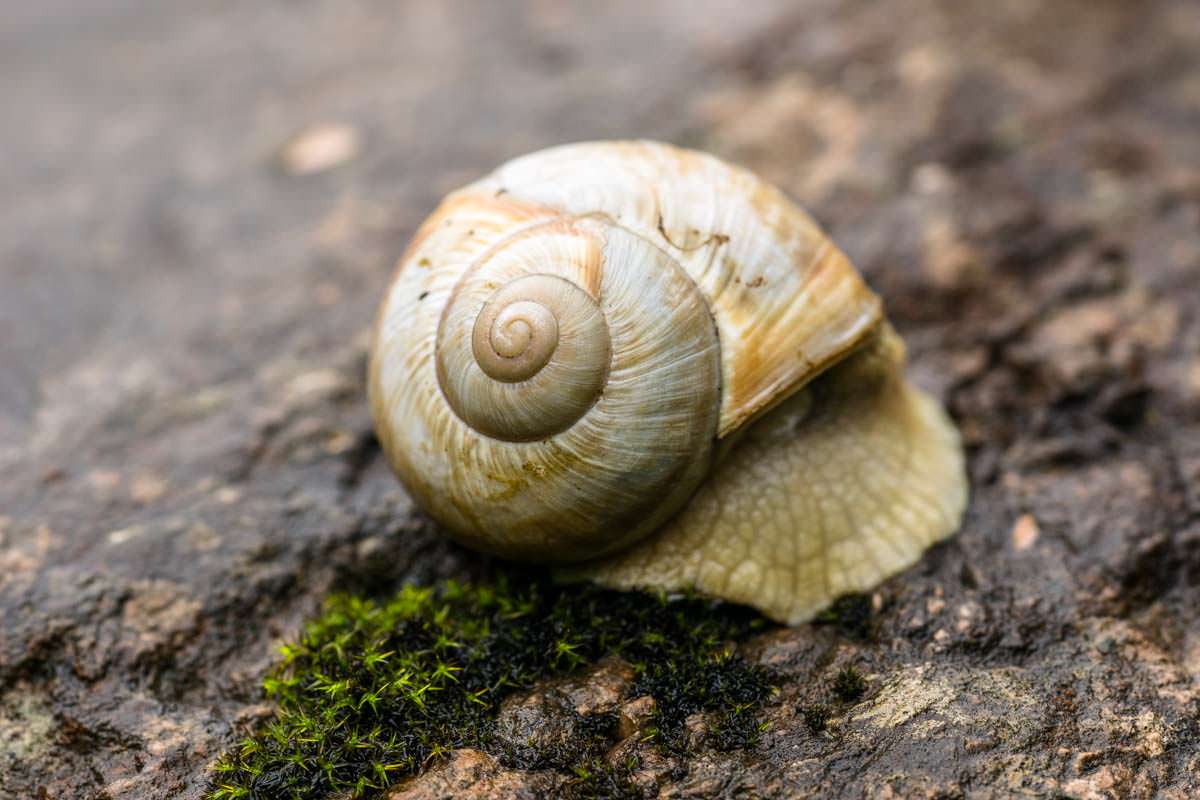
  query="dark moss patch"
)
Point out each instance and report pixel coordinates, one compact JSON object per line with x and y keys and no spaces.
{"x":596,"y":779}
{"x":373,"y":693}
{"x":816,"y":716}
{"x":853,"y":615}
{"x":849,"y":684}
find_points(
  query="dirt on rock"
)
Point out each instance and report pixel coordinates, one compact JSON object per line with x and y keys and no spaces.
{"x":186,"y":459}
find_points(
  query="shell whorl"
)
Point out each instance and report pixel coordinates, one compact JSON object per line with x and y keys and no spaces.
{"x":565,"y":399}
{"x":538,"y":351}
{"x":515,"y":337}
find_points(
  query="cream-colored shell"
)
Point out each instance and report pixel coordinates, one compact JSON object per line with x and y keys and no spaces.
{"x":786,"y":301}
{"x":571,"y":343}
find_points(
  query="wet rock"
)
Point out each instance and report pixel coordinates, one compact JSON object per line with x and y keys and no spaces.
{"x":186,"y":460}
{"x":535,"y":729}
{"x":554,"y":723}
{"x":472,"y":775}
{"x":598,"y":690}
{"x":635,"y":716}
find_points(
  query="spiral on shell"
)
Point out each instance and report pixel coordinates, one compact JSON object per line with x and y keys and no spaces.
{"x":515,"y":337}
{"x":576,"y":405}
{"x":538,"y":359}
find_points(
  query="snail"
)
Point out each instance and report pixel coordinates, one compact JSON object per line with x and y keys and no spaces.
{"x":649,"y":368}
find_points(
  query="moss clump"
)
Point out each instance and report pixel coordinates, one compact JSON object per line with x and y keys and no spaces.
{"x":372,"y":693}
{"x":853,"y":615}
{"x":849,"y":684}
{"x":816,"y":716}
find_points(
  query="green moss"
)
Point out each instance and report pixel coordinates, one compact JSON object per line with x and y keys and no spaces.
{"x":849,"y":684}
{"x":816,"y":716}
{"x":373,"y":693}
{"x":595,"y":779}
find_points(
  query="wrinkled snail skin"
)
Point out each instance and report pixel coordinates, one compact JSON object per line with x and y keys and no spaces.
{"x":650,"y":367}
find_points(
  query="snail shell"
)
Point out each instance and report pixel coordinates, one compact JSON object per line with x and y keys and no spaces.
{"x":648,"y":365}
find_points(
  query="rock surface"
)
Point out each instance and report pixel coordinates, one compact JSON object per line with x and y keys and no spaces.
{"x":204,"y":201}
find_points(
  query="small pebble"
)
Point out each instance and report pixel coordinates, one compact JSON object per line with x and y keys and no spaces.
{"x":319,"y":148}
{"x":1025,"y":533}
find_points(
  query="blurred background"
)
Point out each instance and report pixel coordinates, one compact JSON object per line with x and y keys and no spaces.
{"x":201,"y":202}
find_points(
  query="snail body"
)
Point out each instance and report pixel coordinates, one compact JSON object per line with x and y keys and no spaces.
{"x":651,"y":368}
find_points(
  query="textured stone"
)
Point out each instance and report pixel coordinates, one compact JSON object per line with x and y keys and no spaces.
{"x":186,"y":460}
